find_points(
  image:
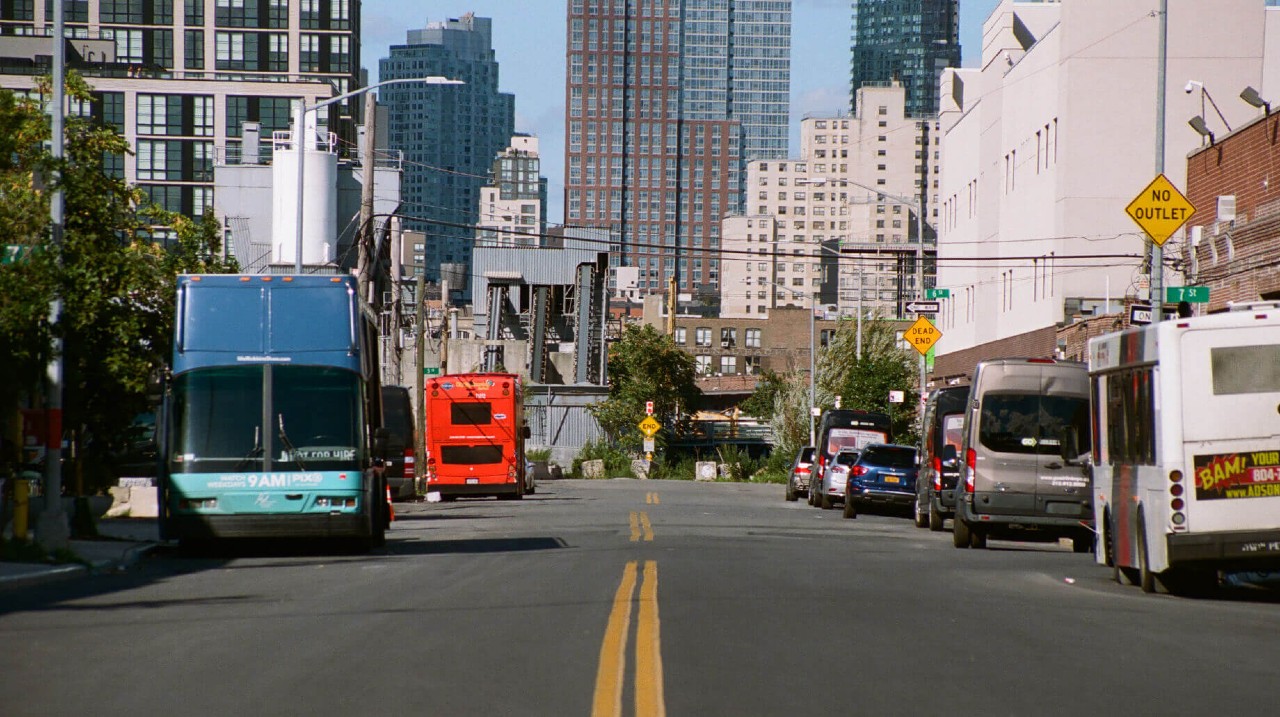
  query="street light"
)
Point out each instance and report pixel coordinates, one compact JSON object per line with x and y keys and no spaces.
{"x":918,"y":205}
{"x":302,"y":142}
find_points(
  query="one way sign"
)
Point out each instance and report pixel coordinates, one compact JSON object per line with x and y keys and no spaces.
{"x":923,"y":307}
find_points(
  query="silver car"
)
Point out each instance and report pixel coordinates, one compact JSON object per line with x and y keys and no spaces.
{"x":834,"y":477}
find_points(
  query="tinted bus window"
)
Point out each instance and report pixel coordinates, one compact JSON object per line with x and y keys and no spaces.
{"x":470,"y":414}
{"x":1245,"y":369}
{"x":470,"y":455}
{"x":1031,"y":423}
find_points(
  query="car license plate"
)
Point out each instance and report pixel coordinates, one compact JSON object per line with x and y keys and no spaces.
{"x":893,"y":479}
{"x":472,"y":481}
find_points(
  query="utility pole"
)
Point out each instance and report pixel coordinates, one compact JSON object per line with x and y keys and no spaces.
{"x":672,"y":306}
{"x":52,"y":530}
{"x":420,"y":397}
{"x":365,"y":239}
{"x":1162,"y":67}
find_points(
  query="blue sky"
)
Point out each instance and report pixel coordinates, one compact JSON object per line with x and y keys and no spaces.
{"x":529,"y":37}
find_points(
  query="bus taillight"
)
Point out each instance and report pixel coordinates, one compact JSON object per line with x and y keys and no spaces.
{"x":970,"y":469}
{"x":1177,"y":503}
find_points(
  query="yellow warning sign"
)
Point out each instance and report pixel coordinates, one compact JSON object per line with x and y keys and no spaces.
{"x":1160,"y":210}
{"x":649,"y":427}
{"x":922,"y":335}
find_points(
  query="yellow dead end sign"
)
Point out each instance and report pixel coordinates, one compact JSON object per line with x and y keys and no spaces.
{"x":649,"y":427}
{"x":922,"y":335}
{"x":1160,"y":209}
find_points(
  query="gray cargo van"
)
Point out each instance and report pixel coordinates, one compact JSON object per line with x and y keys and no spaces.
{"x":1024,"y":454}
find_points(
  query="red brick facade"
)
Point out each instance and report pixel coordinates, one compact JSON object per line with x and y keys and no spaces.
{"x":1240,"y":260}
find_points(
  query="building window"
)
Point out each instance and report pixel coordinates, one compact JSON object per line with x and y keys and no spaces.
{"x":728,"y":338}
{"x":702,"y":336}
{"x":728,"y":365}
{"x":680,"y":337}
{"x":752,"y":338}
{"x":703,"y":364}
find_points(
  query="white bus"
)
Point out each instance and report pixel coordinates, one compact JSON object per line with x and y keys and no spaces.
{"x":1186,"y":441}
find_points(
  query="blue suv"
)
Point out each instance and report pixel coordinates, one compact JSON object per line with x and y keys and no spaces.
{"x":884,"y":473}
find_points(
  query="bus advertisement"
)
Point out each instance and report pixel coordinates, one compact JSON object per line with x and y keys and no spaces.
{"x":475,"y":436}
{"x":1186,"y":463}
{"x":268,"y":421}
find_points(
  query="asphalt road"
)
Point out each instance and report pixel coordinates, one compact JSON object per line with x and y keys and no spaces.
{"x":633,"y":598}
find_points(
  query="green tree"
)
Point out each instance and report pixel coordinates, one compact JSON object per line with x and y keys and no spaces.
{"x":762,"y":401}
{"x":865,"y":383}
{"x":645,"y":365}
{"x":115,"y":282}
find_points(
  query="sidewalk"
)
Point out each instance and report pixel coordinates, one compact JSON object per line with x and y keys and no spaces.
{"x":123,"y":541}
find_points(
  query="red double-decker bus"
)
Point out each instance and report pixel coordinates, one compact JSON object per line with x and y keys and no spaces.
{"x":475,"y":436}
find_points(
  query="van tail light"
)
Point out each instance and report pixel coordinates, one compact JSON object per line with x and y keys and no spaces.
{"x":970,"y":469}
{"x":937,"y":473}
{"x":408,"y":460}
{"x":430,"y":473}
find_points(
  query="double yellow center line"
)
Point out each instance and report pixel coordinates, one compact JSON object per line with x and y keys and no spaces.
{"x":641,"y":527}
{"x":649,"y":699}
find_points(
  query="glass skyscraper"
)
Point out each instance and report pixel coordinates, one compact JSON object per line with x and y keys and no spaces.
{"x":910,"y":40}
{"x":667,"y":100}
{"x":450,"y":134}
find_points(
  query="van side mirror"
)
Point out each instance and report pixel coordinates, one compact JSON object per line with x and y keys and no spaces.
{"x":949,"y":455}
{"x":1070,"y":446}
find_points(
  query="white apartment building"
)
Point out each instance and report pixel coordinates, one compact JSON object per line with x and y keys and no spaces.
{"x":836,"y":227}
{"x":1047,"y":142}
{"x":513,"y":205}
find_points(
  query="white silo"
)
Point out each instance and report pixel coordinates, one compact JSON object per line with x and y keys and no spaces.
{"x":319,"y":193}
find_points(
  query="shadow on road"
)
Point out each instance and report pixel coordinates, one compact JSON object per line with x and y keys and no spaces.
{"x":478,"y":545}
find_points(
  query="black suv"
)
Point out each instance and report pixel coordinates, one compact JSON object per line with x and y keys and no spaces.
{"x":939,"y":456}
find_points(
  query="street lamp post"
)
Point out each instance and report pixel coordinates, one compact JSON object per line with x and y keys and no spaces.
{"x":303,"y":142}
{"x":918,"y":205}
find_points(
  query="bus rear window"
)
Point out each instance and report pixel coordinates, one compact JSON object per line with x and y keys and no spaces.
{"x":1246,"y":369}
{"x":470,"y":455}
{"x":470,"y":414}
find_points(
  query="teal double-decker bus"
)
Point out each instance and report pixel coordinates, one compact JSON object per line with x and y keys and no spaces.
{"x":270,"y":418}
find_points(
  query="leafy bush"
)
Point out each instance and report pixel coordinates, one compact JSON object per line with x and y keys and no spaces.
{"x":738,"y":463}
{"x":538,"y":454}
{"x":616,"y":462}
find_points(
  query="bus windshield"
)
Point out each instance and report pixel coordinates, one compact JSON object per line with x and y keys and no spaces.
{"x":1032,"y":423}
{"x":313,"y":420}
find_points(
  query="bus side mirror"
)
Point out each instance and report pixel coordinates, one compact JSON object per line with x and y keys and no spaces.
{"x":526,"y":432}
{"x":381,"y":437}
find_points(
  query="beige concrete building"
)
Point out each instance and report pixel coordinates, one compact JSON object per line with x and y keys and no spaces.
{"x":1047,"y":142}
{"x":837,"y":227}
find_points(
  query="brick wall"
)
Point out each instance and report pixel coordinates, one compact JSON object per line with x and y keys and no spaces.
{"x":1038,"y":343}
{"x":1240,"y":260}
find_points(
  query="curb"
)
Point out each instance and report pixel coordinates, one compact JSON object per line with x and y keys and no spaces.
{"x":41,"y":575}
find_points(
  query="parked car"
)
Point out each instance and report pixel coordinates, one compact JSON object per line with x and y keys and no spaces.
{"x":939,"y":456}
{"x":798,"y":479}
{"x":884,"y":473}
{"x":831,"y":483}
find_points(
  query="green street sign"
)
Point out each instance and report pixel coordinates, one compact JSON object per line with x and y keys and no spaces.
{"x":14,"y":253}
{"x":1189,"y":294}
{"x":937,"y":293}
{"x":431,"y":371}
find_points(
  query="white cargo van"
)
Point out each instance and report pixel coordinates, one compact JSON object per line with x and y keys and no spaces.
{"x":1024,"y":450}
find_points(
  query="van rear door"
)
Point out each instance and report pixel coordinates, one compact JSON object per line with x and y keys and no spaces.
{"x":1062,"y":486}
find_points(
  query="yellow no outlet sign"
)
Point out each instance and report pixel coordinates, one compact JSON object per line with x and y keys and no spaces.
{"x":1160,"y":209}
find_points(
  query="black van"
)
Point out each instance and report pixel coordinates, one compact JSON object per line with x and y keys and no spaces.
{"x":940,"y":456}
{"x":398,"y":419}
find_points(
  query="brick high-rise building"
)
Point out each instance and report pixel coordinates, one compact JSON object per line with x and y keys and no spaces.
{"x":667,"y":100}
